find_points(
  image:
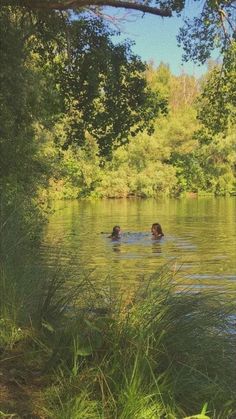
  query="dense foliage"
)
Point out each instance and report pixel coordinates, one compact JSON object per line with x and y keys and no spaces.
{"x":103,"y":87}
{"x":24,"y":164}
{"x":187,"y":152}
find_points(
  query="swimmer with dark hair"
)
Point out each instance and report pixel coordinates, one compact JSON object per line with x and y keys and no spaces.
{"x":116,"y":233}
{"x":156,"y":231}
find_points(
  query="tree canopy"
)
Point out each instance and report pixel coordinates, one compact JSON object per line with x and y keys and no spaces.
{"x":164,"y":10}
{"x":94,"y":86}
{"x":104,"y":88}
{"x":212,"y":26}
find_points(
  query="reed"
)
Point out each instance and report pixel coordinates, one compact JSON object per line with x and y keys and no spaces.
{"x":164,"y":354}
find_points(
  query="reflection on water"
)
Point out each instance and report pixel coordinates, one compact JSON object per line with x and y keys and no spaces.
{"x":117,"y":247}
{"x":200,"y":235}
{"x":156,"y":246}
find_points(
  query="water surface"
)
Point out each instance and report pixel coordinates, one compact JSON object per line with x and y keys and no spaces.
{"x":200,"y":239}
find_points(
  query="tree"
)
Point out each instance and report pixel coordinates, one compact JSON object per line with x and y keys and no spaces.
{"x":213,"y":27}
{"x":159,"y":79}
{"x":24,"y":167}
{"x":219,"y":95}
{"x":96,"y":87}
{"x":165,"y":10}
{"x":104,"y":88}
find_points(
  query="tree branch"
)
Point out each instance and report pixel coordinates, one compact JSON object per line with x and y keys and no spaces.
{"x":79,"y":4}
{"x":133,"y":6}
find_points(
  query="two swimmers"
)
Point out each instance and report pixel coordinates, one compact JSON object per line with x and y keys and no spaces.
{"x":156,"y":231}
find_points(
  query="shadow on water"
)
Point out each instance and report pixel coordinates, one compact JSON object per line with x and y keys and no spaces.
{"x":116,"y":246}
{"x":156,"y":246}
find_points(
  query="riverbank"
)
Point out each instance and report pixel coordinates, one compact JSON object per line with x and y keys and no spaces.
{"x":160,"y":352}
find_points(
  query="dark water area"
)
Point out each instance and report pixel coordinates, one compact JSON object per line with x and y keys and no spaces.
{"x":199,"y":241}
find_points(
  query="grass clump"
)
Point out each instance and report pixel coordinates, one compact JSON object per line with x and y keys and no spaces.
{"x":164,"y":354}
{"x":76,"y":352}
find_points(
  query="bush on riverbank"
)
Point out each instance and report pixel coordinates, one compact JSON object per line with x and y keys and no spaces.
{"x":162,"y":352}
{"x":170,"y":162}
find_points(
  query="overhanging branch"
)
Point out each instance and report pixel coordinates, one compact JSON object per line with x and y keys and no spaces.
{"x":133,"y":6}
{"x":79,"y":4}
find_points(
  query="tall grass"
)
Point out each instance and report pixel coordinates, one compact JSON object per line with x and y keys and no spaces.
{"x":32,"y":296}
{"x":163,"y":355}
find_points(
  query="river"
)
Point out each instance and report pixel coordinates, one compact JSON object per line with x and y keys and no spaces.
{"x":199,"y":241}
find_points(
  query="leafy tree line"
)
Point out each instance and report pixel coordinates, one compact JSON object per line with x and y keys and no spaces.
{"x":190,"y":150}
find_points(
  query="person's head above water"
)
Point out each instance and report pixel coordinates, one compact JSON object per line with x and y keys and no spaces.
{"x":157,"y":230}
{"x":116,"y":232}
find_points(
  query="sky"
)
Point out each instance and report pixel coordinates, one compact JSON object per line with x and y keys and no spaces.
{"x":155,"y":40}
